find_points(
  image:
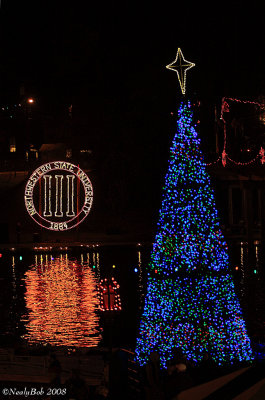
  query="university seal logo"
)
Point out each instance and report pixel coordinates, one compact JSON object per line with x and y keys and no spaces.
{"x":58,"y":195}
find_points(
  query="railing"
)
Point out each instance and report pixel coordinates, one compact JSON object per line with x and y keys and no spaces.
{"x":134,"y":383}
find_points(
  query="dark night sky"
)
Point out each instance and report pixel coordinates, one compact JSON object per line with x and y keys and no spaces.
{"x":109,"y":60}
{"x":66,"y":46}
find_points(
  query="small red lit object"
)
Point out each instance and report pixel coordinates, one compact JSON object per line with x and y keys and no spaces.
{"x":30,"y":100}
{"x":1,"y":255}
{"x":155,"y":271}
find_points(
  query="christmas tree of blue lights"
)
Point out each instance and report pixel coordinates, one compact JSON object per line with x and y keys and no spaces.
{"x":190,"y":302}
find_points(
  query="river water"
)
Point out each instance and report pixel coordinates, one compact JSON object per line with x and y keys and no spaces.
{"x":52,"y":298}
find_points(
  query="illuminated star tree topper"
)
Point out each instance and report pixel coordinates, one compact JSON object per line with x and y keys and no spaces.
{"x":181,"y":66}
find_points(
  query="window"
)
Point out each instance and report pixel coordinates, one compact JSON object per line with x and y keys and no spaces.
{"x":68,"y":153}
{"x":34,"y":153}
{"x":85,"y":151}
{"x":12,"y":145}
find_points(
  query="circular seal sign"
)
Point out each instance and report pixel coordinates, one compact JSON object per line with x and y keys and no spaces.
{"x":58,"y":195}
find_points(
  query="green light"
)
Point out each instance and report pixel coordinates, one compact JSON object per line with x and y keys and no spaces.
{"x":190,"y":300}
{"x":255,"y":271}
{"x":20,"y":258}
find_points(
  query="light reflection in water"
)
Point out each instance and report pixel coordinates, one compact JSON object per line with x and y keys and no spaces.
{"x":243,"y":263}
{"x":97,"y":265}
{"x":14,"y":278}
{"x":62,"y":303}
{"x":140,"y":281}
{"x":257,"y":254}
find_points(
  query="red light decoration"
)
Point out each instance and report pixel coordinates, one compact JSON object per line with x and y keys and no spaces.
{"x":109,"y":296}
{"x":225,"y":109}
{"x":224,"y":155}
{"x":262,"y":155}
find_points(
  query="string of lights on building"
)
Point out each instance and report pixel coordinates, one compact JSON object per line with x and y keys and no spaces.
{"x":224,"y":157}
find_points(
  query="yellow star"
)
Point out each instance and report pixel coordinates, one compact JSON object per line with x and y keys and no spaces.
{"x":181,"y":66}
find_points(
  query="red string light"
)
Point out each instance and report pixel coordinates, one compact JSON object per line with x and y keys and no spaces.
{"x":245,"y":102}
{"x":224,"y":109}
{"x":246,"y":163}
{"x":215,"y":162}
{"x":262,"y":155}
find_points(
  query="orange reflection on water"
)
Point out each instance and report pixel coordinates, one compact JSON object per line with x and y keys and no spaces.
{"x":62,"y":303}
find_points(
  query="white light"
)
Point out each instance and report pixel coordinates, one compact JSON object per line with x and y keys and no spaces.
{"x":181,"y":66}
{"x":45,"y":172}
{"x":59,"y":195}
{"x":70,"y":203}
{"x":47,"y":197}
